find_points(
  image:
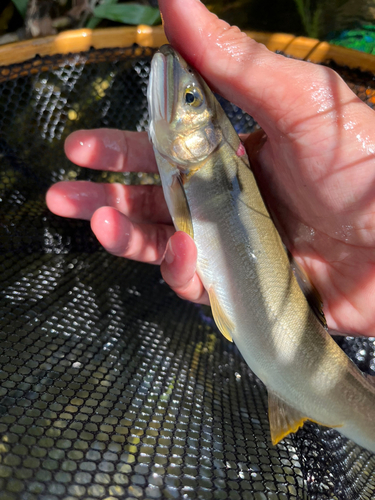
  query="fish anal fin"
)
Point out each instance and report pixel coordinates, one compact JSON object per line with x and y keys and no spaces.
{"x":284,"y":419}
{"x":224,"y":324}
{"x":311,"y":293}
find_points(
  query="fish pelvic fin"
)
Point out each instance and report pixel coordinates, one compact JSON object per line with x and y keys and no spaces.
{"x":224,"y":324}
{"x":283,"y":418}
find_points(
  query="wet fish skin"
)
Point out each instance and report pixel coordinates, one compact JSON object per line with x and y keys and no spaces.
{"x":213,"y":196}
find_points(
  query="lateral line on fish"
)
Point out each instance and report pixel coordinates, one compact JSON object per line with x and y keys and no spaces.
{"x":254,"y":210}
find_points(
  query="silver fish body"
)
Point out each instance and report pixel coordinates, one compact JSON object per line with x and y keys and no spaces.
{"x":256,"y":299}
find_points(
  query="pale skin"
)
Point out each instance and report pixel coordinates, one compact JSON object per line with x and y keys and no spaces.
{"x":314,"y":164}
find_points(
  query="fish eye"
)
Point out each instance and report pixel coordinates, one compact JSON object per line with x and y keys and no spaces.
{"x":193,"y":97}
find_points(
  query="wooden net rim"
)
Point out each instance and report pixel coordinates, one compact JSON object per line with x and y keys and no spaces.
{"x":82,"y":40}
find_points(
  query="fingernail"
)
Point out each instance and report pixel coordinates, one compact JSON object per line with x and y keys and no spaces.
{"x":169,"y":253}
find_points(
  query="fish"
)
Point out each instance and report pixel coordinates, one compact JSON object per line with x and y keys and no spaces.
{"x":256,"y":293}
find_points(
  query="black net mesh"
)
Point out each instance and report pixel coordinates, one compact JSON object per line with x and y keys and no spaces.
{"x":110,"y":386}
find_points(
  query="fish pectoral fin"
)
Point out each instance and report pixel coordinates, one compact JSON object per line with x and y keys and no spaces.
{"x":181,"y":213}
{"x":174,"y":194}
{"x":224,"y":324}
{"x":283,"y":418}
{"x":310,"y":292}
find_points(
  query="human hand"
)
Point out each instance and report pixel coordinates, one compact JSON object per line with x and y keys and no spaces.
{"x":315,"y":169}
{"x":129,"y":221}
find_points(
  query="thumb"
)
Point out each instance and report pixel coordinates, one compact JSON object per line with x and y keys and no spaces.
{"x":278,"y":92}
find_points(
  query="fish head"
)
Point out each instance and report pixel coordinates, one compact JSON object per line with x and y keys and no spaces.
{"x":182,"y":111}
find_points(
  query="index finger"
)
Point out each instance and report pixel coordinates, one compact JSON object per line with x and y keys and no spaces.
{"x":111,"y":149}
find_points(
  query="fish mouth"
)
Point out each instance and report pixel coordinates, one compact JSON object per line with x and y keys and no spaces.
{"x":163,"y":85}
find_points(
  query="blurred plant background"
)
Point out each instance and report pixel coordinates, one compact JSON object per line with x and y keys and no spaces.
{"x":345,"y":22}
{"x":22,"y":19}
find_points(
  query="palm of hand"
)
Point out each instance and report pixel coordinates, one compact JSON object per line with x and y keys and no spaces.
{"x":317,"y":172}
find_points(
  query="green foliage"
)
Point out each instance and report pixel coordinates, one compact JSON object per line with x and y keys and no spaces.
{"x":128,"y":13}
{"x":21,"y":6}
{"x":310,"y":17}
{"x":318,"y":16}
{"x":94,"y":21}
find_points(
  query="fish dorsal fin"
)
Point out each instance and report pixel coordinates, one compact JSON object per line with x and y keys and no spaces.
{"x":310,"y":292}
{"x":283,"y":418}
{"x":224,"y":324}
